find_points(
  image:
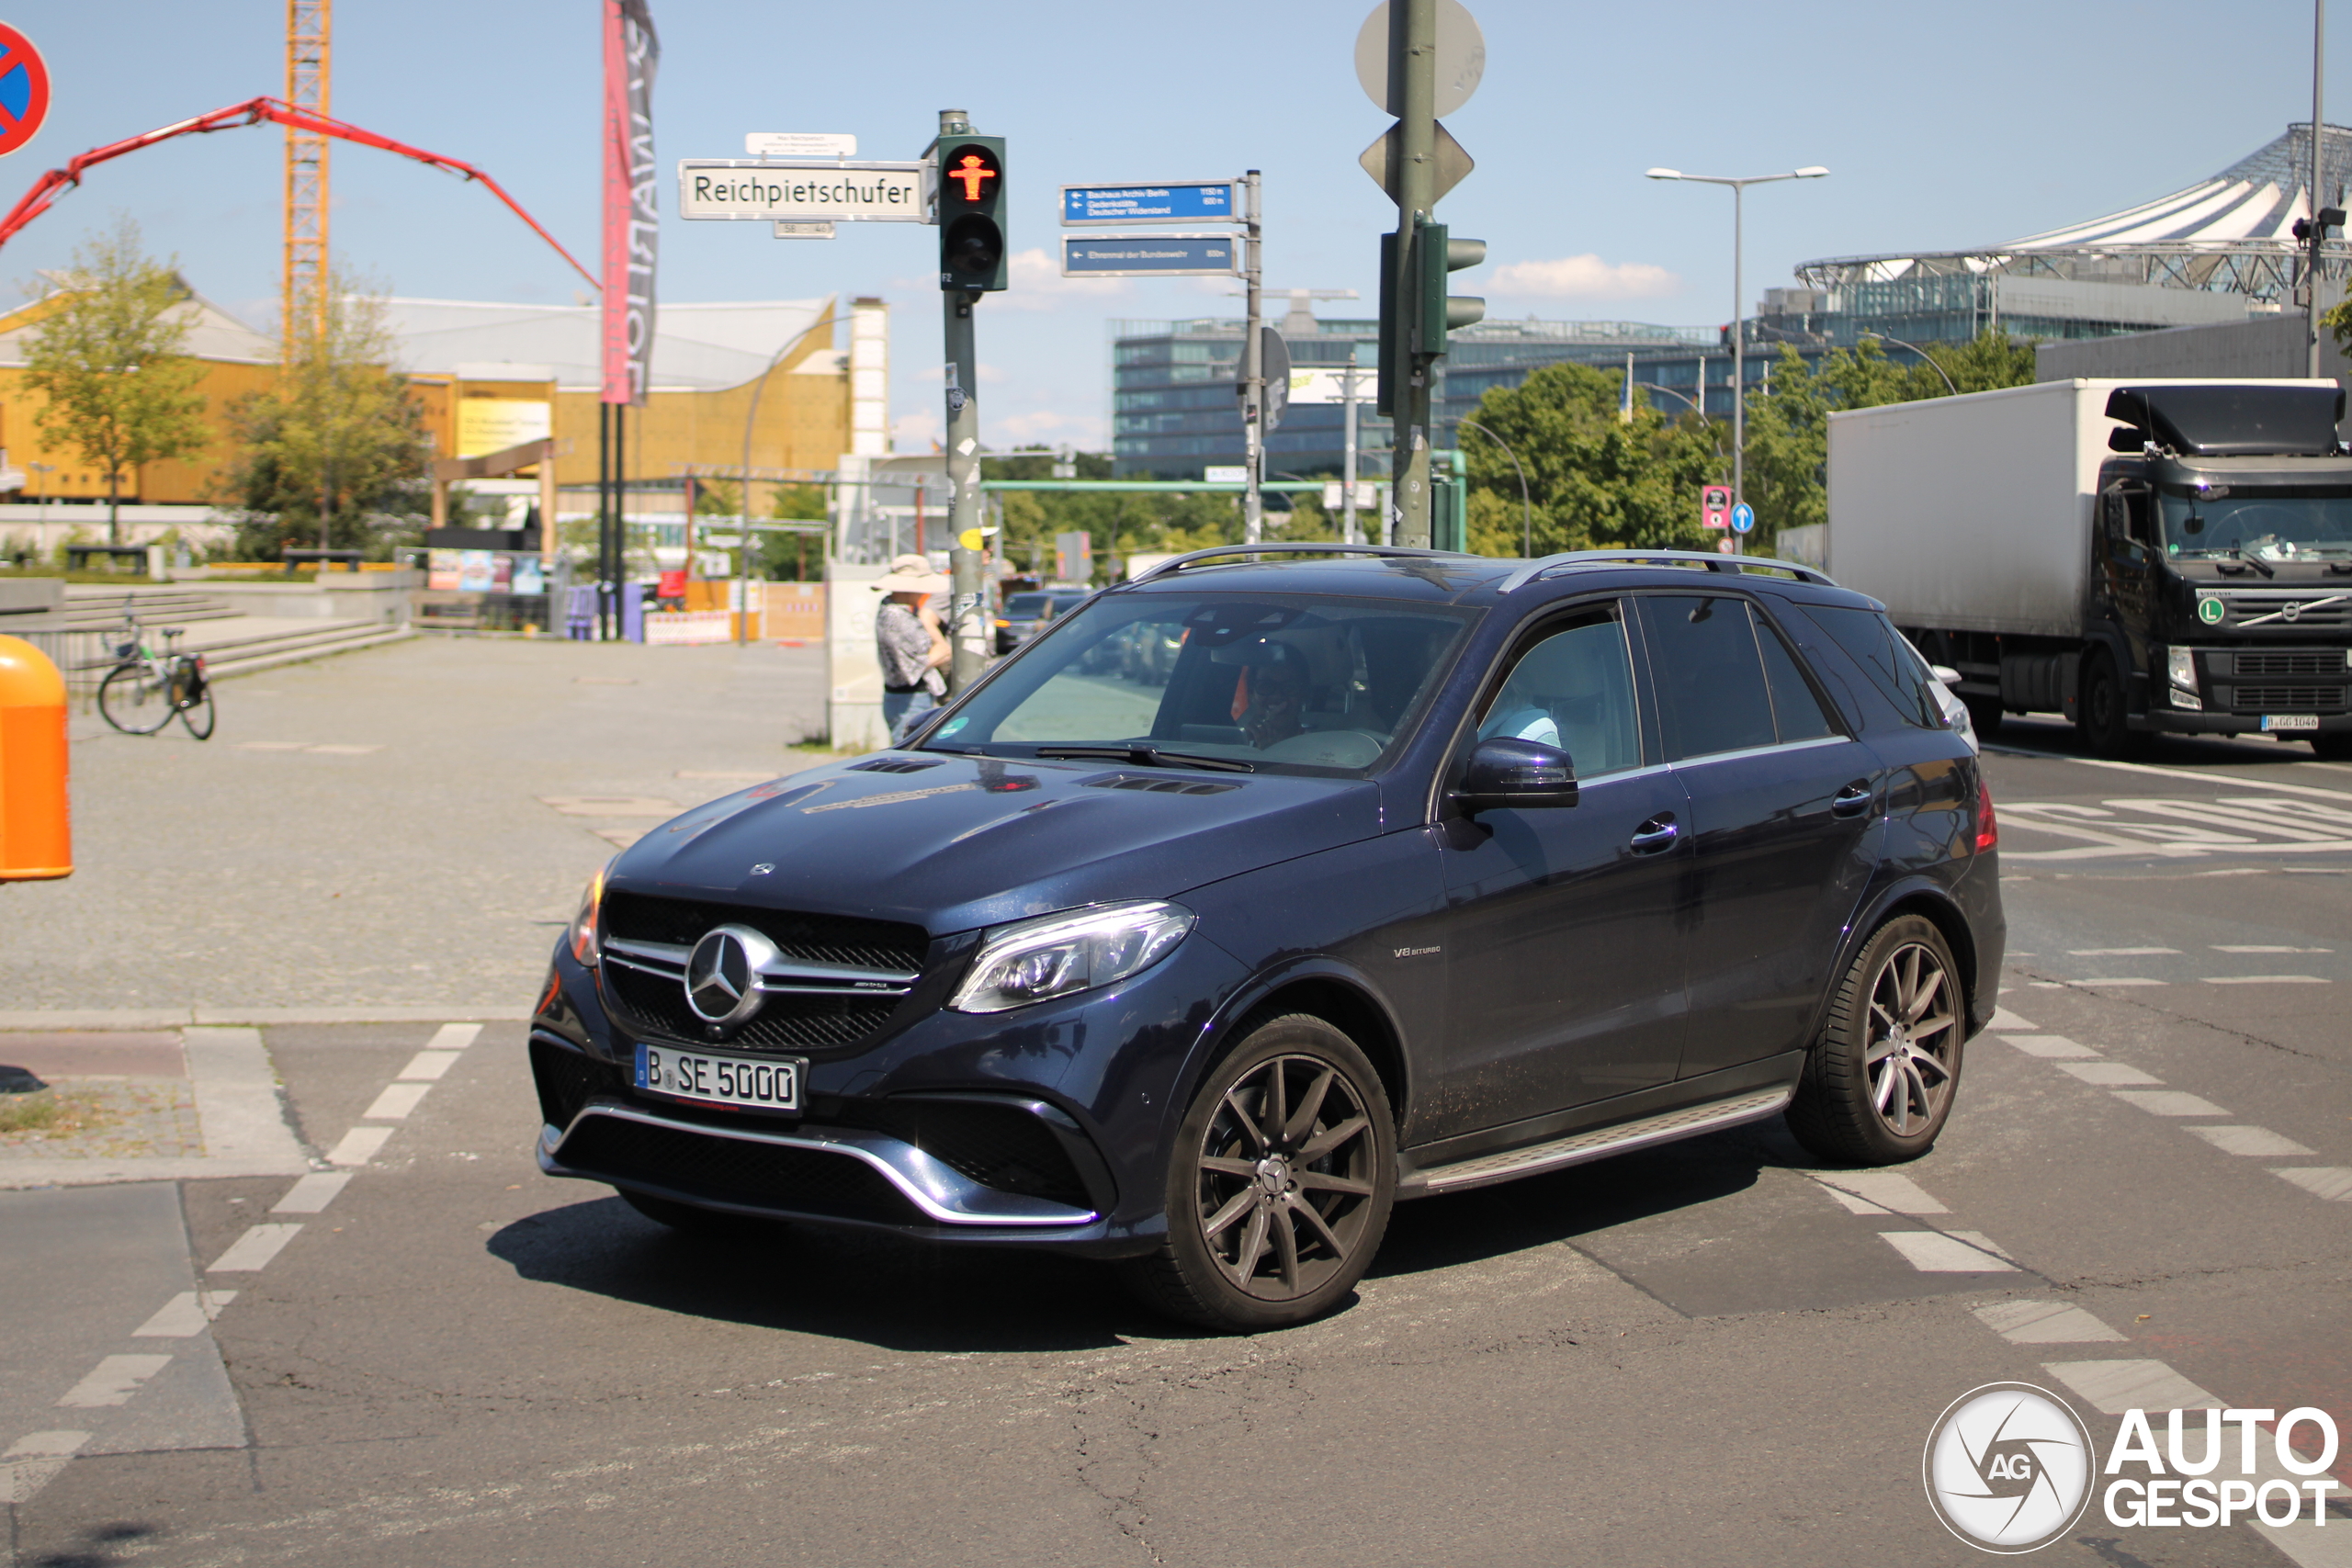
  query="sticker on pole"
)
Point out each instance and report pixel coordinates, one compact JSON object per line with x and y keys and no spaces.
{"x":1743,"y":518}
{"x":23,"y":89}
{"x":1715,"y":506}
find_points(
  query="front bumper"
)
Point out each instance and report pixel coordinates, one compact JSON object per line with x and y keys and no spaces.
{"x":2179,"y":721}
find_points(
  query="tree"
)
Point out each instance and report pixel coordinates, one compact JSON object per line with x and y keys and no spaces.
{"x":108,"y":360}
{"x":1144,"y":522}
{"x":335,"y":453}
{"x":1593,"y":479}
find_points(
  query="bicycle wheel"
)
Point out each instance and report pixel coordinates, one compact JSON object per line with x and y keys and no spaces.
{"x":195,"y":705}
{"x":135,"y":700}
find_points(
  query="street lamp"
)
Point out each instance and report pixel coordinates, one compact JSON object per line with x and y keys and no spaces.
{"x":1526,"y":507}
{"x":1738,"y":301}
{"x":1929,"y":359}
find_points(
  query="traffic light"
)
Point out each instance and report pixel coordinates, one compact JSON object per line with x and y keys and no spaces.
{"x":1437,"y":254}
{"x":971,"y":213}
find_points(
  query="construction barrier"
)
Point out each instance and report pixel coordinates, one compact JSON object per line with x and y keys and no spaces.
{"x":35,"y":823}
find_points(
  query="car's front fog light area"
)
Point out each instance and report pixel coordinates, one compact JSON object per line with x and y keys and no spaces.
{"x":1059,"y":954}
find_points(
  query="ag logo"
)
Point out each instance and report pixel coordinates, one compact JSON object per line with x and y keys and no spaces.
{"x":2209,"y":610}
{"x":2008,"y":1468}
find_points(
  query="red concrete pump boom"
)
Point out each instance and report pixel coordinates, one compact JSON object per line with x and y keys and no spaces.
{"x":255,"y":111}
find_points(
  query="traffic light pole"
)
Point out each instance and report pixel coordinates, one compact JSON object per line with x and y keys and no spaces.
{"x":963,"y":487}
{"x":1254,"y":372}
{"x":1412,"y":51}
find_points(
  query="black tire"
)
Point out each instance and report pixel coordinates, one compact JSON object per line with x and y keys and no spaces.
{"x":2103,"y":711}
{"x":195,"y":709}
{"x":1878,"y":1087}
{"x":1279,"y":1185}
{"x":134,"y":701}
{"x":2335,"y":746}
{"x":1985,"y":714}
{"x":687,"y":1220}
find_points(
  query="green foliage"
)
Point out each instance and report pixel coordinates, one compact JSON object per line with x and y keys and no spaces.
{"x":1145,"y":523}
{"x":109,"y":361}
{"x":335,"y":455}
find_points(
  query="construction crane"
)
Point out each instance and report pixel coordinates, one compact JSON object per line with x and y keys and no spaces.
{"x":302,"y":304}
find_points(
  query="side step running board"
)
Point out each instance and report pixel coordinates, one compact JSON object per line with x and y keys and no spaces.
{"x":1600,"y":1143}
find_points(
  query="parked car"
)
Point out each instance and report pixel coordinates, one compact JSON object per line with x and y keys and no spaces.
{"x":1027,"y":613}
{"x":1420,"y":871}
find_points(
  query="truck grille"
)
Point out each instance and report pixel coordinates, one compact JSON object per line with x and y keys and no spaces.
{"x":2325,"y":661}
{"x":2282,"y":699}
{"x":2269,"y":612}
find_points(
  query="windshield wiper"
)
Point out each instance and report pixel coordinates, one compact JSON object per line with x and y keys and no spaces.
{"x":1145,"y":756}
{"x":2258,"y":564}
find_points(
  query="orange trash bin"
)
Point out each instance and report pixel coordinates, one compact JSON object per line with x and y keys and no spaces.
{"x":36,"y":826}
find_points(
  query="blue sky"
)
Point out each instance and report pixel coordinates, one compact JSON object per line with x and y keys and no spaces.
{"x":1942,"y":125}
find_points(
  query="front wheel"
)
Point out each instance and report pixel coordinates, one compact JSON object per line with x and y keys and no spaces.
{"x":134,"y":700}
{"x":2104,"y":714}
{"x":1877,"y":1085}
{"x":1279,"y":1183}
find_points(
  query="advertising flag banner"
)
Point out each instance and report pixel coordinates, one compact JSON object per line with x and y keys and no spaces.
{"x":631,"y":220}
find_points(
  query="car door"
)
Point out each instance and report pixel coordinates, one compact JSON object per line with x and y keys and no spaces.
{"x":1783,"y":803}
{"x":1563,"y":955}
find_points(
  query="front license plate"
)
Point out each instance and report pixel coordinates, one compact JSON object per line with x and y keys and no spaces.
{"x":755,"y":1083}
{"x":2290,"y":721}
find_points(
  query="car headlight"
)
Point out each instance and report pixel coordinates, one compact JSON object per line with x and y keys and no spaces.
{"x":2183,"y":674}
{"x":1060,"y":954}
{"x":583,"y":934}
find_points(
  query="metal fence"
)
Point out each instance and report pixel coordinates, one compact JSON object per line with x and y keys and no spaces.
{"x":81,"y":654}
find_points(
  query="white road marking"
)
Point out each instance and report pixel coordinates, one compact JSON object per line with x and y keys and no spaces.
{"x":312,"y":1193}
{"x":2121,"y":952}
{"x":2004,"y":1019}
{"x":1854,"y":1205}
{"x":426,"y":1066}
{"x":2306,"y":790}
{"x":254,"y":1249}
{"x":2048,"y":1045}
{"x":112,"y":1381}
{"x":1932,"y":1252}
{"x":184,"y":1314}
{"x":2256,"y":1141}
{"x":2219,"y":948}
{"x":2167,"y":1102}
{"x":2108,"y":1074}
{"x":1882,"y":1189}
{"x":2265,"y":980}
{"x":2332,"y":1183}
{"x":2114,"y":1387}
{"x":33,"y":1461}
{"x":611,"y":804}
{"x":2119,"y":981}
{"x":2044,"y":1322}
{"x":343,"y":751}
{"x":453,"y":1037}
{"x":396,"y":1100}
{"x":1982,"y":1243}
{"x":359,"y":1145}
{"x":271,"y":745}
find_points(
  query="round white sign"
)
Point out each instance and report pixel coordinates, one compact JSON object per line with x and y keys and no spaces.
{"x":1461,"y":57}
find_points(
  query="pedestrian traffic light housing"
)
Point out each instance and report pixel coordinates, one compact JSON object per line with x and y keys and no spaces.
{"x":971,"y":213}
{"x":1415,"y":313}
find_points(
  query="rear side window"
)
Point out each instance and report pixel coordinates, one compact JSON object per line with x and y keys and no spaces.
{"x":1711,"y":694}
{"x":1574,"y":689}
{"x":1870,"y":640}
{"x":1796,"y":712}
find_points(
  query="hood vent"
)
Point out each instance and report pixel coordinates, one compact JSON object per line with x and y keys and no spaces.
{"x":1157,"y":783}
{"x":894,"y":765}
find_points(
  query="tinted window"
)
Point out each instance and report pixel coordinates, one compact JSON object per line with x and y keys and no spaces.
{"x":1870,"y":640}
{"x":1574,"y":689}
{"x":1710,"y":692}
{"x":1796,"y":711}
{"x":1027,"y":606}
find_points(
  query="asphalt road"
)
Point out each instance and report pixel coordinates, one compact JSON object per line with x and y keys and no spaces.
{"x":1708,"y":1354}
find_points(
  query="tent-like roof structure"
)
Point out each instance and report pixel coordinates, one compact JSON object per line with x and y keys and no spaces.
{"x":695,"y":347}
{"x":2234,"y":232}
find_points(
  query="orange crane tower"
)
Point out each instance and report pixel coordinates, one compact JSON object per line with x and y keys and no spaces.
{"x":303,"y":304}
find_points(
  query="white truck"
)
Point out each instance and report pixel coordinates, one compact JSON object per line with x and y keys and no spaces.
{"x":2141,"y":556}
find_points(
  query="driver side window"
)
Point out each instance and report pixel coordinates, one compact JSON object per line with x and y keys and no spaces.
{"x":1573,"y":688}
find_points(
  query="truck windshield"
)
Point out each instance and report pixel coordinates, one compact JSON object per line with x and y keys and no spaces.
{"x":2280,"y":524}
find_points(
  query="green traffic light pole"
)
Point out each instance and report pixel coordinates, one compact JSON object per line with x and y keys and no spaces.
{"x":963,"y":444}
{"x":1412,"y":66}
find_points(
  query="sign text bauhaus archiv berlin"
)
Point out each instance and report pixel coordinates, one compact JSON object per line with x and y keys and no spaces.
{"x":845,"y":192}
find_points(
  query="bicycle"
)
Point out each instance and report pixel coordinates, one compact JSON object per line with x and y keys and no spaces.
{"x":145,"y":688}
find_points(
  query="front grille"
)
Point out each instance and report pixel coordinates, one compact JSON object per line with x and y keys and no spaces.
{"x":2269,"y":614}
{"x":1002,"y":1146}
{"x":567,"y":1081}
{"x":772,"y":1176}
{"x":2283,"y":699}
{"x":2327,"y":662}
{"x":785,"y":1021}
{"x":822,"y":938}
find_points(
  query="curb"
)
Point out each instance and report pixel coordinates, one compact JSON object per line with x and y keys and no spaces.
{"x":64,"y":1020}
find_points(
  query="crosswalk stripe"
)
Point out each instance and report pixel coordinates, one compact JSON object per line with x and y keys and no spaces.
{"x":2044,"y":1322}
{"x":2332,"y":1183}
{"x":1933,"y":1252}
{"x":2259,"y":1142}
{"x":254,"y":1249}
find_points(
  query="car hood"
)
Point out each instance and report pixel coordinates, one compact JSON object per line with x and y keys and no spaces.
{"x":976,"y":842}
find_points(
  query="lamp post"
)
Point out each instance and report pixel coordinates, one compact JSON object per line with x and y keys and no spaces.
{"x":1526,"y":506}
{"x":1926,"y":358}
{"x":1738,"y":301}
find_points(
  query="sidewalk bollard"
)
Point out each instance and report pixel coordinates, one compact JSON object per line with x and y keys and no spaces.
{"x":36,"y":826}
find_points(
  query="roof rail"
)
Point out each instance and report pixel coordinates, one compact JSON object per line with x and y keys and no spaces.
{"x":1177,"y":563}
{"x":1735,"y":565}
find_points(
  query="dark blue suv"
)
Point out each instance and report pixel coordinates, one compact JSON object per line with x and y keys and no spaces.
{"x":1420,"y":872}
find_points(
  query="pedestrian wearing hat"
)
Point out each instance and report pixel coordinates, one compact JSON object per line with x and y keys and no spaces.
{"x":908,"y":641}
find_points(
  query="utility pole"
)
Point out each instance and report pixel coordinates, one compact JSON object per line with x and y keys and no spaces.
{"x":962,"y":364}
{"x":1253,"y":370}
{"x":2312,"y":308}
{"x":1349,"y":532}
{"x":1412,"y":72}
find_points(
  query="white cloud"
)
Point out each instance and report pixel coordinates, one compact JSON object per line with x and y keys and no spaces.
{"x":916,"y":433}
{"x":1045,"y":424}
{"x":1037,"y":284}
{"x":1583,"y":278}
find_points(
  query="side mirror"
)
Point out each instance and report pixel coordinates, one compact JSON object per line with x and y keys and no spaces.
{"x":1946,"y":673}
{"x":1522,"y":774}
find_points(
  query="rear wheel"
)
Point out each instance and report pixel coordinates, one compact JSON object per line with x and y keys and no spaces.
{"x":195,"y":702}
{"x":2103,"y":714}
{"x":1877,"y":1084}
{"x":1279,"y":1183}
{"x":134,"y":701}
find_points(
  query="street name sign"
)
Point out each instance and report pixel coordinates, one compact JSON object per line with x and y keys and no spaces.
{"x":1149,"y":256}
{"x":1187,"y":201}
{"x":783,"y":191}
{"x":800,"y":144}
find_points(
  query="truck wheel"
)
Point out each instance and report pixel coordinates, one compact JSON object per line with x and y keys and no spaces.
{"x":2336,"y":748}
{"x":2105,"y":717}
{"x":1877,"y":1085}
{"x":1279,"y":1185}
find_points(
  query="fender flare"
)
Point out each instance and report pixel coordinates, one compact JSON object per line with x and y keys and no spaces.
{"x":1217,"y":1037}
{"x":1916,"y":889}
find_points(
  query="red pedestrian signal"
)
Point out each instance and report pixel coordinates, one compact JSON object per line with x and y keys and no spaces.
{"x":973,"y":172}
{"x":971,"y":214}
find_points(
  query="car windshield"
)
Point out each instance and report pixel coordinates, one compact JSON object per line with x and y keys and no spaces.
{"x":1027,"y":606}
{"x":1274,"y":683}
{"x":2281,"y":524}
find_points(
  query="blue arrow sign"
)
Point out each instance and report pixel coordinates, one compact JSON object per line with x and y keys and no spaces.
{"x":1147,"y":256}
{"x":1204,"y":201}
{"x":1743,"y":518}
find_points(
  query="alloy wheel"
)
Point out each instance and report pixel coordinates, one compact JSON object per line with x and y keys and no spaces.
{"x":1285,"y":1177}
{"x":1913,"y":1032}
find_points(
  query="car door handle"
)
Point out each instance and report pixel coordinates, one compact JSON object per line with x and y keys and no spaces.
{"x":1852,"y":801}
{"x":1659,"y":833}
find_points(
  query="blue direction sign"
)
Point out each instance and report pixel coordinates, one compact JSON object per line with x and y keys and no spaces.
{"x":1743,"y":518}
{"x":1148,"y":256}
{"x":1197,"y":201}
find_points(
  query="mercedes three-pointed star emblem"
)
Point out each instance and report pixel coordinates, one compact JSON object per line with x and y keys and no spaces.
{"x":723,"y":973}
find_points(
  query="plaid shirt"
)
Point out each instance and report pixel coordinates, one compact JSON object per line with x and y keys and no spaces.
{"x":903,"y":644}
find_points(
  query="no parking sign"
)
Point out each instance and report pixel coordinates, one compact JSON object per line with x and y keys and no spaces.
{"x":23,"y":89}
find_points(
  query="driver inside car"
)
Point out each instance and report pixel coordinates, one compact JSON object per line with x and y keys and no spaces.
{"x":1270,"y":698}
